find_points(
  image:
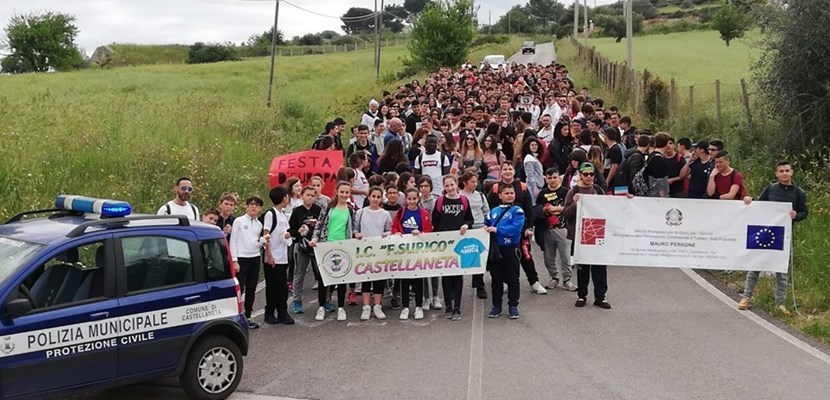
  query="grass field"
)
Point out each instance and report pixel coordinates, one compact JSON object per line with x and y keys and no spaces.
{"x":668,"y":54}
{"x":132,"y":54}
{"x":690,"y":57}
{"x":127,"y":133}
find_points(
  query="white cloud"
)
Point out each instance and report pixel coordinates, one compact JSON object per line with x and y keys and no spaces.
{"x":187,"y":21}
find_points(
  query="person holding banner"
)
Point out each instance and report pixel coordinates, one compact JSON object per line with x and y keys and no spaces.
{"x":412,"y":219}
{"x":507,"y":221}
{"x":373,"y":221}
{"x":584,"y":273}
{"x":787,"y":192}
{"x":480,"y":209}
{"x":336,"y":223}
{"x":452,"y":212}
{"x":301,"y":226}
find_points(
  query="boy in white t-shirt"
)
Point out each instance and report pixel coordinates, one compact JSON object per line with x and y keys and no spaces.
{"x":276,"y":258}
{"x":433,"y":164}
{"x":358,"y":162}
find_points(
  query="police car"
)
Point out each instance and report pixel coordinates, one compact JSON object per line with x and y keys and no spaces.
{"x":93,"y":296}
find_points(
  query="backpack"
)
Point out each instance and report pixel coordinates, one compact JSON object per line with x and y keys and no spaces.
{"x":261,"y":219}
{"x":192,"y":208}
{"x":639,"y":182}
{"x":465,"y":203}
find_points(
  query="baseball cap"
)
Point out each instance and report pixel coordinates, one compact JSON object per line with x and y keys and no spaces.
{"x":586,"y":166}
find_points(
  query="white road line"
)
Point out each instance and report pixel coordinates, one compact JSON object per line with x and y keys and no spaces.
{"x":755,"y":318}
{"x":251,"y":396}
{"x":476,"y":352}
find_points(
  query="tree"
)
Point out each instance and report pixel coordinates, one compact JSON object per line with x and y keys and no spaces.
{"x":414,"y":7}
{"x":311,"y":39}
{"x":259,"y":45}
{"x":41,"y":42}
{"x":442,"y":34}
{"x":517,"y":20}
{"x":329,"y":35}
{"x":545,"y":11}
{"x":731,"y":23}
{"x":395,"y":18}
{"x":614,"y":25}
{"x":794,"y":76}
{"x":201,"y":53}
{"x":355,"y":21}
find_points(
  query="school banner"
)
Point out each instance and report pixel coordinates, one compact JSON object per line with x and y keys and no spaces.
{"x":683,"y":233}
{"x":403,"y":256}
{"x":306,"y":164}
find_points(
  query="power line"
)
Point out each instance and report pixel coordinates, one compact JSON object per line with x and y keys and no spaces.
{"x":358,"y":18}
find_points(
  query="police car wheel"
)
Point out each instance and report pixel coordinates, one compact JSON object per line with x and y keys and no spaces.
{"x":213,"y":369}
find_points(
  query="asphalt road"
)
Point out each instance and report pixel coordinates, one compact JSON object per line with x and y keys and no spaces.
{"x":669,"y":336}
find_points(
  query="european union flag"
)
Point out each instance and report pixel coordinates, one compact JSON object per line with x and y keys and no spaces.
{"x":759,"y":237}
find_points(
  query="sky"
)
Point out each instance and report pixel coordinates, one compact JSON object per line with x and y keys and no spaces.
{"x":187,"y":21}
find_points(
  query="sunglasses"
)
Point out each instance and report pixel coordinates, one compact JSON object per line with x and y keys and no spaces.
{"x":470,"y":139}
{"x":186,"y":188}
{"x":588,"y":174}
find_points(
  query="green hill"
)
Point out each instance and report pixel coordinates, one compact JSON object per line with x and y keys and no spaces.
{"x":127,"y":133}
{"x":135,"y":54}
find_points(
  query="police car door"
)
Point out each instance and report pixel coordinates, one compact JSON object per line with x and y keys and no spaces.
{"x":69,"y":337}
{"x":158,"y":282}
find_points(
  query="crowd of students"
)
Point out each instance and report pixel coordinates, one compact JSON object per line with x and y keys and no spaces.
{"x":508,"y":150}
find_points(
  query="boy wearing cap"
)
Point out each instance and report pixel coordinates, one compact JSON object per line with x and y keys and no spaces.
{"x":585,"y":186}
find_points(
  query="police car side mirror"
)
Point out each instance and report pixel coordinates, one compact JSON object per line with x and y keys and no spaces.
{"x":18,"y":307}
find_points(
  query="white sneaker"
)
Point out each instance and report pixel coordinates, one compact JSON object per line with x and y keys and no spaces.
{"x":378,"y":310}
{"x":427,"y":303}
{"x":569,"y":286}
{"x":419,"y":313}
{"x":404,"y":314}
{"x":321,"y":314}
{"x":341,"y":314}
{"x":538,"y":289}
{"x":366,"y":314}
{"x":436,"y":303}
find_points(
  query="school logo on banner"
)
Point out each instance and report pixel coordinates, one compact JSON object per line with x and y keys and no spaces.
{"x":337,"y":263}
{"x":593,"y":231}
{"x":674,"y":217}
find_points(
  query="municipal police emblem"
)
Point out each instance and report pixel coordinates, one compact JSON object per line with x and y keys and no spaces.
{"x":674,"y":217}
{"x":8,"y":346}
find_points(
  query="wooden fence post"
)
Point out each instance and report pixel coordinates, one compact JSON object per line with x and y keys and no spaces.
{"x":691,"y":109}
{"x":717,"y":106}
{"x":673,"y":97}
{"x":747,"y":109}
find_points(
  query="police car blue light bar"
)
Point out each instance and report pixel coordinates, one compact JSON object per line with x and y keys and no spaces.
{"x":107,"y":208}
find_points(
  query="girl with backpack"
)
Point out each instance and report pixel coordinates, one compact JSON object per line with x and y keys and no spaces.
{"x":452,"y":212}
{"x":480,"y":208}
{"x":412,"y":219}
{"x":336,"y":223}
{"x":373,"y":221}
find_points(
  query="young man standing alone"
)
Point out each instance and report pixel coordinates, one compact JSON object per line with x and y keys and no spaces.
{"x":784,"y":191}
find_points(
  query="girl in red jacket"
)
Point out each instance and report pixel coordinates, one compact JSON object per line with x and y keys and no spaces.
{"x":412,"y":219}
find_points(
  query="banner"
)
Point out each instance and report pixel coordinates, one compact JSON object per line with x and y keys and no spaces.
{"x":403,"y":256}
{"x":306,"y":164}
{"x":683,"y":233}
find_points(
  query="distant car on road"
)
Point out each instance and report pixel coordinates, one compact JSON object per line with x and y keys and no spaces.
{"x":92,"y":296}
{"x":529,"y":47}
{"x":494,"y":61}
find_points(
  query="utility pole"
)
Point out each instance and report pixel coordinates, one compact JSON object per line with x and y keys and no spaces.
{"x":273,"y":51}
{"x":629,"y":34}
{"x":509,"y":27}
{"x":377,"y":41}
{"x":576,"y":19}
{"x":585,"y":7}
{"x":380,"y":35}
{"x":490,"y":22}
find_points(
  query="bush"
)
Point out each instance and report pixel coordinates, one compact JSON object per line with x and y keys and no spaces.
{"x":683,"y":25}
{"x":490,"y":39}
{"x":656,"y":96}
{"x":449,"y":24}
{"x":201,"y":53}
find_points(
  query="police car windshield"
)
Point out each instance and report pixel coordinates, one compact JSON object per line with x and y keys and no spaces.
{"x":13,"y":253}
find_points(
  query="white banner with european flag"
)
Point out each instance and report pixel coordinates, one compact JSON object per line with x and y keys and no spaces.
{"x":683,"y":233}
